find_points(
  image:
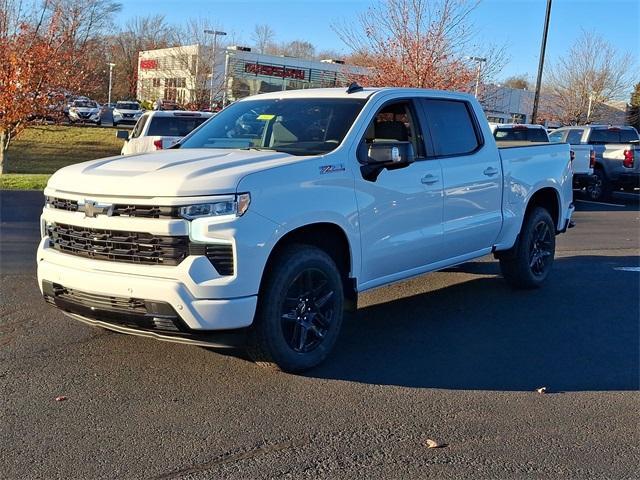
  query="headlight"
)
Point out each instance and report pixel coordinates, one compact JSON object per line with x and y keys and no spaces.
{"x":223,"y":208}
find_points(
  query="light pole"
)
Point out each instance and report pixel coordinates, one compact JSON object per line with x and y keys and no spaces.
{"x":111,"y":65}
{"x":589,"y":107}
{"x":215,"y":34}
{"x":543,"y":47}
{"x":480,"y":61}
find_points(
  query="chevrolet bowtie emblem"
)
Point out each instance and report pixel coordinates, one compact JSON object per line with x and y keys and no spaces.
{"x":91,"y":208}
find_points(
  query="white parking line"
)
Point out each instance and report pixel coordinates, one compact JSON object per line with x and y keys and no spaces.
{"x":628,"y":269}
{"x":602,"y":203}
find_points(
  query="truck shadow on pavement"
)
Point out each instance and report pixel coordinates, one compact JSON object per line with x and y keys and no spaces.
{"x":581,"y":331}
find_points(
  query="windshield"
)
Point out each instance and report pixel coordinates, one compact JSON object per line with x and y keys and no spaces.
{"x":299,"y":126}
{"x":613,"y":135}
{"x":173,"y":126}
{"x":127,"y":106}
{"x":521,"y":135}
{"x":84,"y":104}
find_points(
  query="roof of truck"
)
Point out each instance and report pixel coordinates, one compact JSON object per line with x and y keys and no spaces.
{"x":341,"y":92}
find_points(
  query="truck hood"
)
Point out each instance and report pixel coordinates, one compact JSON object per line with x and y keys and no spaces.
{"x":168,"y":173}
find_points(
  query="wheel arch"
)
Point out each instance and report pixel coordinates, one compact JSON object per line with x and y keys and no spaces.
{"x":333,"y":240}
{"x":549,"y":199}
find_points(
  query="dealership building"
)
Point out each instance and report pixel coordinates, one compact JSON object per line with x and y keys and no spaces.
{"x":177,"y":74}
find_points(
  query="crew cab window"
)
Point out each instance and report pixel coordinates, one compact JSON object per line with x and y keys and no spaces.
{"x":452,"y":126}
{"x":612,"y":135}
{"x":395,"y":122}
{"x":521,"y":134}
{"x":298,"y":126}
{"x":137,"y":130}
{"x":173,"y":126}
{"x":575,"y":136}
{"x":556,"y":137}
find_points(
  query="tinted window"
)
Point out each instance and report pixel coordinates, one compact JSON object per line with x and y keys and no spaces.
{"x":521,"y":134}
{"x":556,"y":137}
{"x":574,"y":137}
{"x":173,"y":126}
{"x":613,"y":135}
{"x":451,"y":125}
{"x":137,"y":130}
{"x":85,"y":104}
{"x":127,"y":106}
{"x":299,"y":126}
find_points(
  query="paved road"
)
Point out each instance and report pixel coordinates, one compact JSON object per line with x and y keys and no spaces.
{"x":454,"y":356}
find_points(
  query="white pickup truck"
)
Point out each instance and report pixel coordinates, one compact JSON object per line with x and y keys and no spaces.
{"x":266,"y":222}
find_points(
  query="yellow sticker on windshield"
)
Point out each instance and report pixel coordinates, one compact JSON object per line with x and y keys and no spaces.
{"x":266,"y":116}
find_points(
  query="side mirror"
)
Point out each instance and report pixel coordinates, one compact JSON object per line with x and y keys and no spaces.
{"x":123,"y":135}
{"x":378,"y":156}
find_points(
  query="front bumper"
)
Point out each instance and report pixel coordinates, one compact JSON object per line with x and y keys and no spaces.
{"x":133,"y":316}
{"x":196,"y":313}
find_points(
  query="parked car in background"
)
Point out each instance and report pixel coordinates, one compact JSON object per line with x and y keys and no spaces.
{"x":158,"y":130}
{"x":583,"y":159}
{"x":617,"y":156}
{"x":85,"y":110}
{"x":126,"y":112}
{"x":268,"y":229}
{"x":518,"y":132}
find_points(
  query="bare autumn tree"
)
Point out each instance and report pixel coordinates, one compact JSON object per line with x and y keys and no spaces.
{"x":138,"y":34}
{"x":414,"y":43}
{"x":262,"y":37}
{"x":592,"y":68}
{"x":39,"y":63}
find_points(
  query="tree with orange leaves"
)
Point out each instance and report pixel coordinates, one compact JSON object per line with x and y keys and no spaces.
{"x":39,"y":63}
{"x":414,"y":43}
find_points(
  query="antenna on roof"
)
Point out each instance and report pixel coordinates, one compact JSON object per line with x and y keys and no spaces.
{"x":354,"y":87}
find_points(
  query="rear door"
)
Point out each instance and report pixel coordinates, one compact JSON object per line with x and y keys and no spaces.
{"x":472,"y":177}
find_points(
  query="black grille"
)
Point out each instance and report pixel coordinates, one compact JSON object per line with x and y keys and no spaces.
{"x":117,"y":245}
{"x":119,"y":210}
{"x":220,"y":256}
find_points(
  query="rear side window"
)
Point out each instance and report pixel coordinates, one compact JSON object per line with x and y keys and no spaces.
{"x":556,"y":137}
{"x":173,"y":126}
{"x":522,"y":134}
{"x":612,"y":135}
{"x":574,"y":137}
{"x":452,"y":126}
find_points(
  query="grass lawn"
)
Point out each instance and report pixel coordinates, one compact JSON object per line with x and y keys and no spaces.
{"x":41,"y":150}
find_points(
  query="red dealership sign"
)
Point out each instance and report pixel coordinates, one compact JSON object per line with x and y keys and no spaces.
{"x":275,"y":71}
{"x":148,"y":64}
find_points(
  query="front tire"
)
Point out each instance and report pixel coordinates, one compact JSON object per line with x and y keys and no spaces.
{"x":529,"y":263}
{"x":300,"y":311}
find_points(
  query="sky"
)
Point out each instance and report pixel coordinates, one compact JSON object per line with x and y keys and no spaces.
{"x":515,"y":24}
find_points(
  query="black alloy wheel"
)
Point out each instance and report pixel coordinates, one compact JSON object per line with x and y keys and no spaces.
{"x":307,"y":310}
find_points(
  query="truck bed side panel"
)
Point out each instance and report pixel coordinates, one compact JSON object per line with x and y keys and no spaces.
{"x":526,"y":171}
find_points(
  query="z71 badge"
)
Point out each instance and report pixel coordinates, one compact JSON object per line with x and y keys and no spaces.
{"x":339,"y":167}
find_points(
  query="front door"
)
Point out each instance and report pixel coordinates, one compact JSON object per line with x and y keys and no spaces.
{"x":401,"y":210}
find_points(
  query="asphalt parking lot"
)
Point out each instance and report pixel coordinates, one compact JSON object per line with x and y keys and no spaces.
{"x":454,"y":356}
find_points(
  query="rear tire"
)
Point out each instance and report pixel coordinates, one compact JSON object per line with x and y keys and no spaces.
{"x":300,"y":311}
{"x":600,"y":189}
{"x":528,"y":264}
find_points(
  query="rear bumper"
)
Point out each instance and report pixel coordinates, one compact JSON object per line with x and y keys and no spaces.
{"x":581,"y":180}
{"x":629,"y":179}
